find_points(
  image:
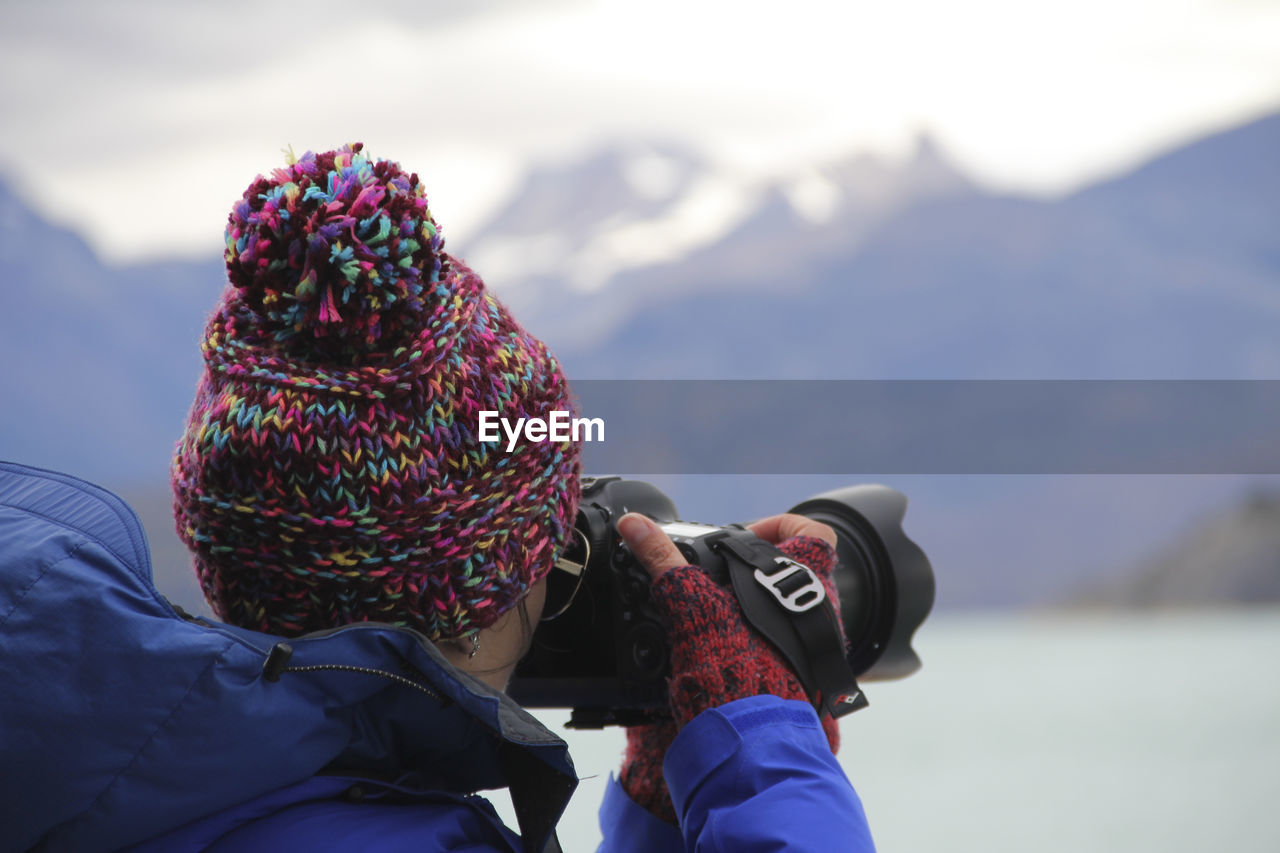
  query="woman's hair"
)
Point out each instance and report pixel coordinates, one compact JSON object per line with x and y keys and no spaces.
{"x":330,"y":470}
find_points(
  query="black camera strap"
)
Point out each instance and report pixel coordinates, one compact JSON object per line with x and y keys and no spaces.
{"x":785,"y":601}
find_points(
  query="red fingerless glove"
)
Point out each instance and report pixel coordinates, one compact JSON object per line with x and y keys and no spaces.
{"x":716,"y":657}
{"x":641,"y":774}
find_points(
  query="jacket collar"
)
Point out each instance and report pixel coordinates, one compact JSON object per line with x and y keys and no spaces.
{"x":429,"y":718}
{"x":139,"y":720}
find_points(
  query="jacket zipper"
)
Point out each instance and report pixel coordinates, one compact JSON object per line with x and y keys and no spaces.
{"x":277,"y":662}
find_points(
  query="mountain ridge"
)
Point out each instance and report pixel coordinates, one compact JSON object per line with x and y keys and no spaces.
{"x":1227,"y":557}
{"x":954,"y":282}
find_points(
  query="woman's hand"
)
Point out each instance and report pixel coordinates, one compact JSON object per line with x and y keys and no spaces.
{"x":777,"y":529}
{"x":716,"y":657}
{"x":658,"y":554}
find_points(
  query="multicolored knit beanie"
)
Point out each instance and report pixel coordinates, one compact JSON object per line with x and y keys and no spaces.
{"x":330,"y":471}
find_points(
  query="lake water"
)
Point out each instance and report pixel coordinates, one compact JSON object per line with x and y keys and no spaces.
{"x":1054,"y":733}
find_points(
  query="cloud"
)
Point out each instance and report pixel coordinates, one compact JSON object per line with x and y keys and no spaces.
{"x":113,"y":112}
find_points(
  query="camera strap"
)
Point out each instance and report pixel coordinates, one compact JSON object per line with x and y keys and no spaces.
{"x":786,"y":602}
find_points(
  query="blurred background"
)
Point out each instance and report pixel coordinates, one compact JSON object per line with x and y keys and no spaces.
{"x":918,"y":190}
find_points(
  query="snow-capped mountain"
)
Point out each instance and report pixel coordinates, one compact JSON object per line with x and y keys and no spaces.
{"x":585,"y":233}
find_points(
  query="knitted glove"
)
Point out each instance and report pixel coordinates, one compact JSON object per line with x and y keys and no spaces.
{"x":716,"y":657}
{"x":641,"y":774}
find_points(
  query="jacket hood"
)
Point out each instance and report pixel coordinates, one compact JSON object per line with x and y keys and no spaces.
{"x":121,"y":718}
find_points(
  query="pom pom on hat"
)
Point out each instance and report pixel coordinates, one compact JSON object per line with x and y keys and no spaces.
{"x":335,"y":252}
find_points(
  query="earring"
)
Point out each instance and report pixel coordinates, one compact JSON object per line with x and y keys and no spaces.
{"x":475,"y":645}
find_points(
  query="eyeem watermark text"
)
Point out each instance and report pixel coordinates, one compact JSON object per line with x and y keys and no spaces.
{"x":561,"y":426}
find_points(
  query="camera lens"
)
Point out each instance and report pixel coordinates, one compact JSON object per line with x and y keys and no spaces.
{"x":884,"y":580}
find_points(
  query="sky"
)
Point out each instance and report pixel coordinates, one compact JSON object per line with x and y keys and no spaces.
{"x":138,"y":123}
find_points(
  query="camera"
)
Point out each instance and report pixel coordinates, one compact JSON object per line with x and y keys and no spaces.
{"x":606,"y":654}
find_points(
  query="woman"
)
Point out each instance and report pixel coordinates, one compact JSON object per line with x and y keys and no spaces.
{"x":330,"y":475}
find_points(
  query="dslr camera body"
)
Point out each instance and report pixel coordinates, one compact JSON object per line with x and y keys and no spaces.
{"x":607,"y":656}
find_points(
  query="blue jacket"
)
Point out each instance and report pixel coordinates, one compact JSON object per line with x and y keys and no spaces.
{"x":126,"y":724}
